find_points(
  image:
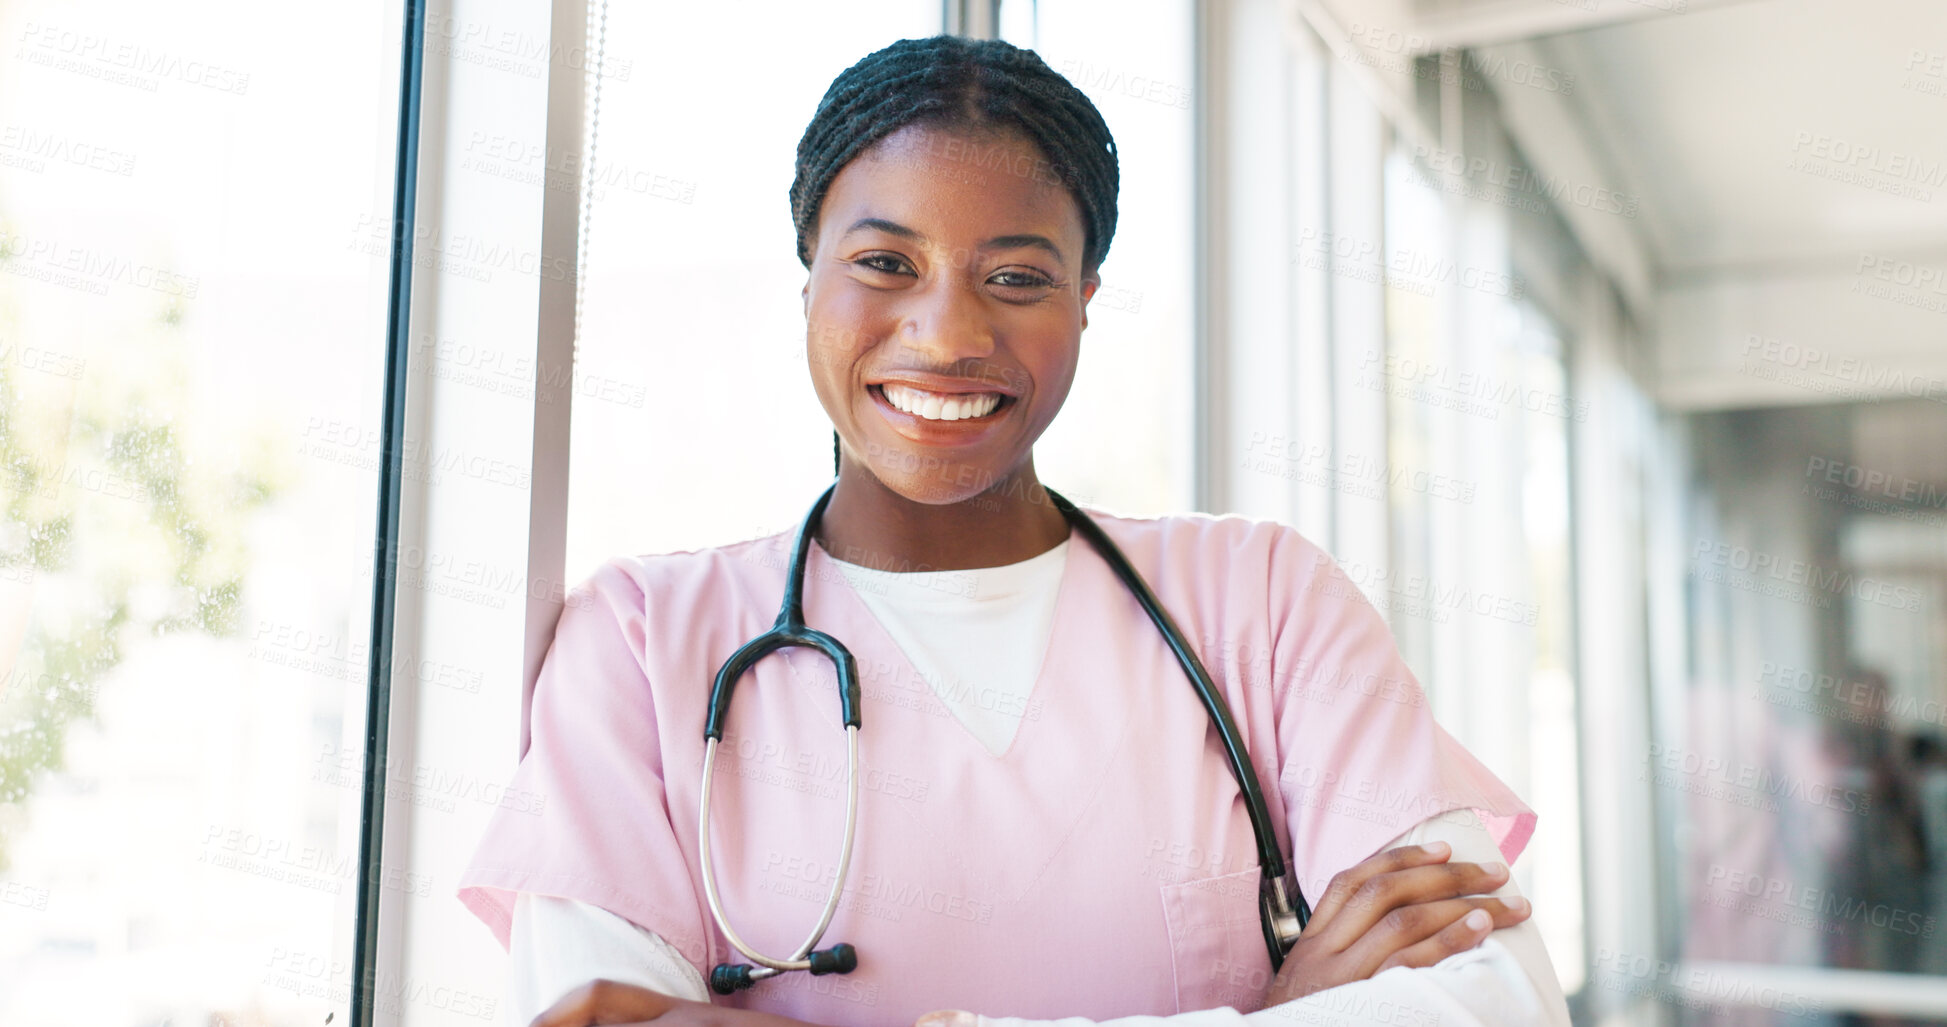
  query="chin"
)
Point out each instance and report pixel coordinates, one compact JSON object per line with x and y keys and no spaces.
{"x":941,"y":482}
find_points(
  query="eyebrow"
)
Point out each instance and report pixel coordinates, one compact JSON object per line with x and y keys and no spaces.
{"x":999,"y":242}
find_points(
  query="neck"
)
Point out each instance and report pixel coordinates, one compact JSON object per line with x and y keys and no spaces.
{"x":869,"y":524}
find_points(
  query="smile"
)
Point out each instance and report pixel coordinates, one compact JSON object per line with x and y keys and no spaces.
{"x":940,"y":406}
{"x":951,"y":419}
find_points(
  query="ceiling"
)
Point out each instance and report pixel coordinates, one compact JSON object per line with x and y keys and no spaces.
{"x":1719,"y":118}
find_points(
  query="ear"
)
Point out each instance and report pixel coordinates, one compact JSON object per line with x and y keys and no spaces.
{"x":1090,"y":282}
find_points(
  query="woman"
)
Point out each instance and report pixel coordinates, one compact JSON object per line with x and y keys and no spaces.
{"x":1049,"y":828}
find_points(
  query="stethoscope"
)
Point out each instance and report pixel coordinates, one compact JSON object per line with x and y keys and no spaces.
{"x":1276,"y":891}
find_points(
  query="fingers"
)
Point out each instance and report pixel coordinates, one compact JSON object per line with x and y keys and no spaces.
{"x":604,"y":1002}
{"x":1383,"y":894}
{"x":1423,"y":935}
{"x":1348,"y":881}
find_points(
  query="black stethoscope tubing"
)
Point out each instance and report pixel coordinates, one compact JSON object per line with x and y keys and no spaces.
{"x":1282,"y":905}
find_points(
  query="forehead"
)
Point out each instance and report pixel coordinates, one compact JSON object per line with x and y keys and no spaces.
{"x":982,"y":181}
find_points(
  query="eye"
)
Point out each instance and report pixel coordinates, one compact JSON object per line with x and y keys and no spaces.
{"x":1019,"y":278}
{"x":884,"y":263}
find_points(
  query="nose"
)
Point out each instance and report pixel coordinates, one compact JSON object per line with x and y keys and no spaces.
{"x":947,"y":323}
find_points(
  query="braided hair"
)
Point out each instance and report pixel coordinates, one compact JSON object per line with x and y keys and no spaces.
{"x":955,"y":82}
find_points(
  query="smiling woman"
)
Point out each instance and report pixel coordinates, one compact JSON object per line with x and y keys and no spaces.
{"x":954,"y":202}
{"x":970,"y":197}
{"x":946,"y":323}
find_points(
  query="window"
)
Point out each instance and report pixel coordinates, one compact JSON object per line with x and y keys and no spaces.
{"x":193,"y":272}
{"x":691,"y":326}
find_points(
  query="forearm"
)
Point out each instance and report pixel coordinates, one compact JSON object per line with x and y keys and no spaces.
{"x":558,"y":945}
{"x":1506,"y":981}
{"x":1484,"y":987}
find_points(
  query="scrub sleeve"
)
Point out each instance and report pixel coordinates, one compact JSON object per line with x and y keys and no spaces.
{"x":595,"y":758}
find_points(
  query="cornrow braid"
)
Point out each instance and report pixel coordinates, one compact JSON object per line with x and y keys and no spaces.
{"x":961,"y":83}
{"x":957,"y":82}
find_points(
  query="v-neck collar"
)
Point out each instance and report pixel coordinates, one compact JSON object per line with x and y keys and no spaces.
{"x":830,"y":599}
{"x":1057,"y":765}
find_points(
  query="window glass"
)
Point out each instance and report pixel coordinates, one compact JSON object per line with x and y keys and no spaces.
{"x":193,"y":277}
{"x":1810,"y":780}
{"x":1123,"y":440}
{"x":694,"y":420}
{"x":1476,"y":476}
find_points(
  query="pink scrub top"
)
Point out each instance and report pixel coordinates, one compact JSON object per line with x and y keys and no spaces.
{"x":1103,"y":866}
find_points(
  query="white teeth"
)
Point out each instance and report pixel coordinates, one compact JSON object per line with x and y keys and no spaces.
{"x":937,"y":406}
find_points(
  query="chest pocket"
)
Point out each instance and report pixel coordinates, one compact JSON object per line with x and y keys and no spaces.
{"x":1217,"y":942}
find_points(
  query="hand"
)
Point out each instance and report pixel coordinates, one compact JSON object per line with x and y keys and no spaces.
{"x":1401,"y":907}
{"x":609,"y":1002}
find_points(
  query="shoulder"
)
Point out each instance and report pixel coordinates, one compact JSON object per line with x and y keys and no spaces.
{"x":1231,"y":542}
{"x":1266,"y":569}
{"x":630,"y":581}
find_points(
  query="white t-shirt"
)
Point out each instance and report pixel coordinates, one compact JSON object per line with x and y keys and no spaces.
{"x":977,"y":638}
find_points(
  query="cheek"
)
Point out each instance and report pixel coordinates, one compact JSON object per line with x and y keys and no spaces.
{"x":832,"y":344}
{"x":1053,"y":359}
{"x":840,"y":323}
